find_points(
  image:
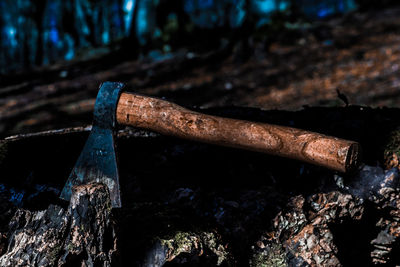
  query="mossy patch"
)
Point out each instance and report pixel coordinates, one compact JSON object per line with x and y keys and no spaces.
{"x":181,"y":242}
{"x":271,"y":256}
{"x":188,"y":242}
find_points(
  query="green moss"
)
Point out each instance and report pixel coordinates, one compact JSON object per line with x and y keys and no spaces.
{"x":210,"y":241}
{"x":187,"y":241}
{"x":272,"y":257}
{"x":70,"y":247}
{"x":181,"y":242}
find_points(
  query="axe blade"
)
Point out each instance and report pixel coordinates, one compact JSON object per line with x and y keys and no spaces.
{"x":98,"y":161}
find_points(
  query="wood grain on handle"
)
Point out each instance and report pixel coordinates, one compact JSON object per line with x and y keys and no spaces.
{"x":170,"y":119}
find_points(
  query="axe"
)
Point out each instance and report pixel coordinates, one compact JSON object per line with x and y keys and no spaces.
{"x":97,"y":161}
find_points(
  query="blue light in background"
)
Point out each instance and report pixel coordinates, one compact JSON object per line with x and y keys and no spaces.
{"x":70,"y":44}
{"x":14,"y":38}
{"x":192,"y":5}
{"x":105,"y":36}
{"x":321,"y":9}
{"x":128,"y":8}
{"x":341,"y":6}
{"x":11,"y":34}
{"x":237,"y":14}
{"x":325,"y":11}
{"x":264,"y":6}
{"x":144,"y":22}
{"x":205,"y":3}
{"x":70,"y":55}
{"x":283,"y":5}
{"x":348,"y":5}
{"x":53,"y":22}
{"x":116,"y":18}
{"x":54,"y":38}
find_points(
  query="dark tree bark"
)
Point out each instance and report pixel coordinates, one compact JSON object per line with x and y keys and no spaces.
{"x":82,"y":235}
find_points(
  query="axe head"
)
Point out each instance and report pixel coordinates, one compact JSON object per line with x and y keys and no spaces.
{"x":98,"y":161}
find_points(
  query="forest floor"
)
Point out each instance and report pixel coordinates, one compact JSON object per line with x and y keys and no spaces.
{"x":183,"y":199}
{"x":358,"y":54}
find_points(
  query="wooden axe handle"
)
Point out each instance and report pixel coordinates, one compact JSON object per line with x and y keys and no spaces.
{"x":170,"y":119}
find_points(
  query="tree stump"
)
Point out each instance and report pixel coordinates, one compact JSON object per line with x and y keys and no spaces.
{"x":82,"y":235}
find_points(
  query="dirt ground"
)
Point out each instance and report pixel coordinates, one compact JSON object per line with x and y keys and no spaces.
{"x":358,"y":54}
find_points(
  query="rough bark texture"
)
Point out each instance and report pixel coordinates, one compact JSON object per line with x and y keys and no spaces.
{"x":82,"y":235}
{"x":305,"y":234}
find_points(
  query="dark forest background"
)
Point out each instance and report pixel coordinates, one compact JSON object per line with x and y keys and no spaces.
{"x":41,"y":32}
{"x":270,"y":54}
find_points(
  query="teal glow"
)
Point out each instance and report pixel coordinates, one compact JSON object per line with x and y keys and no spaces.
{"x":128,"y":6}
{"x":264,"y":6}
{"x":144,"y":20}
{"x":11,"y":32}
{"x":283,"y":5}
{"x":12,"y":35}
{"x":105,"y":37}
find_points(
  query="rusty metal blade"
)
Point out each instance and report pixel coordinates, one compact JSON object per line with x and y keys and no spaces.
{"x":98,"y":161}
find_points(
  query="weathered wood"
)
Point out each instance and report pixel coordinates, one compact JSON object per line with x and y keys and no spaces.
{"x":170,"y":119}
{"x":82,"y":235}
